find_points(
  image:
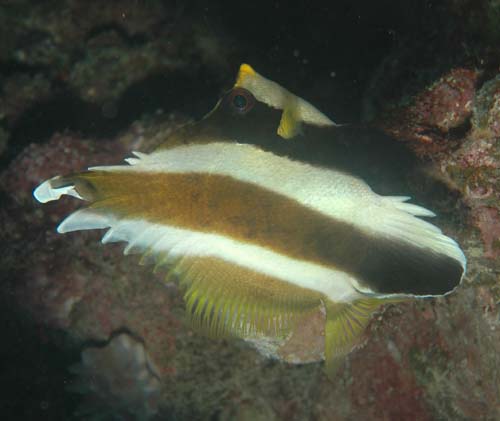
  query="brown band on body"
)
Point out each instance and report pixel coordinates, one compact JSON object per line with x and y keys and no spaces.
{"x":252,"y":214}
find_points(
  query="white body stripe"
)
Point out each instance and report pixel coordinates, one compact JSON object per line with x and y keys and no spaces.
{"x":176,"y":242}
{"x":330,"y":192}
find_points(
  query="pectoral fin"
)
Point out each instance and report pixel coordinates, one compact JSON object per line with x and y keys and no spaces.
{"x":290,"y":124}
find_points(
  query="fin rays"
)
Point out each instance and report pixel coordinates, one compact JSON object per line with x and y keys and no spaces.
{"x":344,"y":325}
{"x":221,"y":301}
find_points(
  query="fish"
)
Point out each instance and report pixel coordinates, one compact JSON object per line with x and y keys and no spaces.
{"x":257,"y":236}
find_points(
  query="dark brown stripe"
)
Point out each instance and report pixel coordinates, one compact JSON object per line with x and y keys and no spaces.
{"x":249,"y":213}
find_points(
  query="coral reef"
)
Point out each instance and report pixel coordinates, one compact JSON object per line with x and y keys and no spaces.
{"x":433,"y":113}
{"x":104,"y":71}
{"x":467,"y":163}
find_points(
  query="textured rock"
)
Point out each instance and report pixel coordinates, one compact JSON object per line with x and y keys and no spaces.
{"x":119,"y":378}
{"x":20,"y":92}
{"x":487,"y":108}
{"x":84,"y":64}
{"x":445,"y":105}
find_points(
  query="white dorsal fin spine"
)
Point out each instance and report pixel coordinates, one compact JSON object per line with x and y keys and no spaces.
{"x":46,"y":193}
{"x":85,"y":219}
{"x":400,"y":203}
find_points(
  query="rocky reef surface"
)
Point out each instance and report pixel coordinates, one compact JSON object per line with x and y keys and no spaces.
{"x":128,"y":350}
{"x":428,"y":359}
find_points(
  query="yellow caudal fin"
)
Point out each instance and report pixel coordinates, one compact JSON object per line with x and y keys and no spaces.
{"x":345,"y":323}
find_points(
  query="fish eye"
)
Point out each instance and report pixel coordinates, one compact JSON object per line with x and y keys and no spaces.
{"x":241,"y":100}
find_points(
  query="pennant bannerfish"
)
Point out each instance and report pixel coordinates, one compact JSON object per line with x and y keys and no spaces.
{"x":256,"y":237}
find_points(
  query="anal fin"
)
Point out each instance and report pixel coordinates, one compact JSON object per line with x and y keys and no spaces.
{"x":226,"y":299}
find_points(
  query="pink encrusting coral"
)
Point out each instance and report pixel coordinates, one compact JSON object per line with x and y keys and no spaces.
{"x":49,"y":285}
{"x":63,"y":152}
{"x":487,"y":219}
{"x":487,"y":108}
{"x":444,"y":105}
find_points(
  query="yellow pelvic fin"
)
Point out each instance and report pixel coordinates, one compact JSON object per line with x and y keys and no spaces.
{"x":290,"y":123}
{"x":223,"y":299}
{"x":345,"y":322}
{"x":245,"y":72}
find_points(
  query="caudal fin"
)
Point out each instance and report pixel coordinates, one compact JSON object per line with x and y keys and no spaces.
{"x":345,"y":324}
